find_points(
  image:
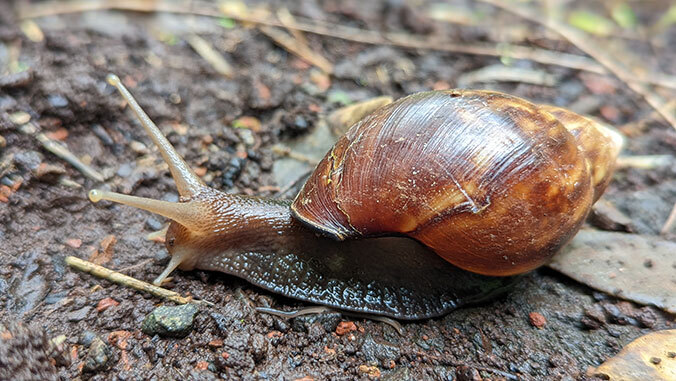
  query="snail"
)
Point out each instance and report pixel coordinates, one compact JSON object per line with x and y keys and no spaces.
{"x":436,"y":200}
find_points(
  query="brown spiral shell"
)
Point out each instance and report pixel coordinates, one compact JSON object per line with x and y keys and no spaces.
{"x":492,"y":183}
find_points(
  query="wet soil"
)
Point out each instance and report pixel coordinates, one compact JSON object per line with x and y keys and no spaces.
{"x":46,"y":218}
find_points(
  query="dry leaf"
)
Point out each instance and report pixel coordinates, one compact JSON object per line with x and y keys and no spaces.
{"x":650,"y":357}
{"x":630,"y":266}
{"x":106,"y":253}
{"x":343,"y":118}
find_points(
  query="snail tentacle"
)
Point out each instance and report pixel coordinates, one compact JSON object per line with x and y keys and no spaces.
{"x":187,"y":182}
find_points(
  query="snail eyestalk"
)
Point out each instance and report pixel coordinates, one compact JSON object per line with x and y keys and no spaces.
{"x":187,"y":182}
{"x":185,"y":213}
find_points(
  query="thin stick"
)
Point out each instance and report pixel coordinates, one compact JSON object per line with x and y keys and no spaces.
{"x":286,"y":18}
{"x":127,"y":281}
{"x":670,"y":221}
{"x":321,"y":309}
{"x":206,"y":51}
{"x":542,"y":56}
{"x":61,"y":151}
{"x":291,"y":44}
{"x":587,"y":45}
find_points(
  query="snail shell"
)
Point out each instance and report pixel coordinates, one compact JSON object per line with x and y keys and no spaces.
{"x":492,"y":183}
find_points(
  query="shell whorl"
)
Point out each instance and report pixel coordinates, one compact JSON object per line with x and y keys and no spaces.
{"x":492,"y":183}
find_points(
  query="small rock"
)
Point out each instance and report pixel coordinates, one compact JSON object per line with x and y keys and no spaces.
{"x":537,"y":320}
{"x":75,"y":243}
{"x":106,"y":303}
{"x":379,"y":351}
{"x":57,"y":101}
{"x":138,"y":147}
{"x":647,"y":317}
{"x":371,"y":371}
{"x":345,"y":327}
{"x":154,"y":224}
{"x":170,"y":321}
{"x":125,"y":170}
{"x":77,"y":315}
{"x":400,"y":374}
{"x":259,"y":347}
{"x":29,"y":160}
{"x":655,"y":360}
{"x":617,"y":313}
{"x":86,"y":338}
{"x":466,"y":373}
{"x":97,"y":357}
{"x":593,"y":318}
{"x":216,"y":343}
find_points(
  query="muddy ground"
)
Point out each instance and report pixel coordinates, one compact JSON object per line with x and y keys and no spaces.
{"x":48,"y":217}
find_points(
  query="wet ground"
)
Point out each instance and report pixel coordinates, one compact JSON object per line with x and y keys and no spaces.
{"x":48,"y":217}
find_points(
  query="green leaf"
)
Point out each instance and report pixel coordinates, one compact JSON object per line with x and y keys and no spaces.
{"x":591,"y":23}
{"x":338,"y":96}
{"x":624,"y":16}
{"x":666,"y":20}
{"x":226,"y":22}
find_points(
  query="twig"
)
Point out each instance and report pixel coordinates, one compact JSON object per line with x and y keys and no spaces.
{"x":288,"y":152}
{"x":206,"y":51}
{"x":645,"y":161}
{"x":321,"y":309}
{"x":469,"y":364}
{"x":542,"y":56}
{"x":127,"y":281}
{"x":670,"y":221}
{"x":63,"y":152}
{"x":289,"y":22}
{"x":60,"y":150}
{"x":587,"y":45}
{"x":294,"y":46}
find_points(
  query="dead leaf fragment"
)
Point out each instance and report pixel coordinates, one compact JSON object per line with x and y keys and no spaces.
{"x":106,"y":252}
{"x":646,"y":358}
{"x":371,"y":371}
{"x":617,"y":263}
{"x":75,"y":243}
{"x":345,"y":327}
{"x":341,"y":119}
{"x":537,"y":320}
{"x":106,"y":303}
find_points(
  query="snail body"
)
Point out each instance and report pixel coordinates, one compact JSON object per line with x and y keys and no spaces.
{"x":433,"y":201}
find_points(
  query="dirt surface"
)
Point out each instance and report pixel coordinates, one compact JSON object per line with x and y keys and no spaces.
{"x":548,"y":327}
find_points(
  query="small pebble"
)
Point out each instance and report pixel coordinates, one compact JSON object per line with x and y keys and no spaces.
{"x":170,"y":321}
{"x":75,"y":243}
{"x":19,"y":117}
{"x":371,"y":371}
{"x":655,"y":360}
{"x":106,"y":303}
{"x":80,"y":314}
{"x":537,"y":320}
{"x":466,"y":373}
{"x":138,"y":147}
{"x":216,"y":343}
{"x":56,"y":100}
{"x":345,"y":327}
{"x":86,"y":338}
{"x":125,"y":170}
{"x":154,"y":224}
{"x":97,"y":356}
